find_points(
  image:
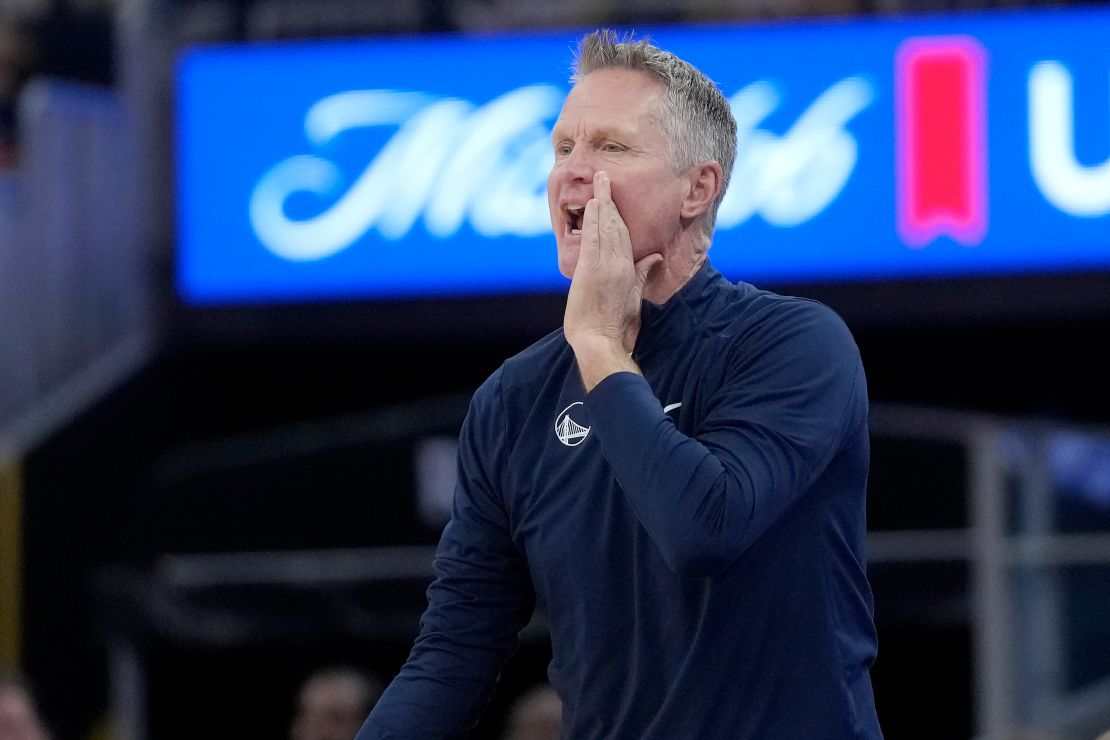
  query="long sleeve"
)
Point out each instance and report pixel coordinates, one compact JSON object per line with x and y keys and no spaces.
{"x":790,"y":393}
{"x":479,"y":601}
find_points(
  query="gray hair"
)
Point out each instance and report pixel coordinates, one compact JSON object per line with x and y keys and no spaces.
{"x":696,"y":119}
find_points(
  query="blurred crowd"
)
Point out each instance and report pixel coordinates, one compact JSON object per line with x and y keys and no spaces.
{"x":333,"y":702}
{"x":70,"y":40}
{"x":15,"y":66}
{"x":19,"y":718}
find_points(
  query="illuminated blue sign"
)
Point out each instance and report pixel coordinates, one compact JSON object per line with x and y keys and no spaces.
{"x":407,"y":167}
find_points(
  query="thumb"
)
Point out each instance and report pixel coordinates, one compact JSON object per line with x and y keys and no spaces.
{"x":645,"y":266}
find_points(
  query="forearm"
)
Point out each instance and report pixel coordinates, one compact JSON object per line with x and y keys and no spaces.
{"x":692,"y":508}
{"x":426,"y":706}
{"x":468,"y":632}
{"x":481,"y":598}
{"x":599,"y":357}
{"x":441,"y":690}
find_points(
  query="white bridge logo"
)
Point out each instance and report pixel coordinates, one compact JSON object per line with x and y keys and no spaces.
{"x":570,"y":432}
{"x":451,"y":162}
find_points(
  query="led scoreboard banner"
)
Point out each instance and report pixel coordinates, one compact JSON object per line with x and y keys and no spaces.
{"x":392,"y":168}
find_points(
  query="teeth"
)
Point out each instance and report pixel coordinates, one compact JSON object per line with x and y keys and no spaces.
{"x":575,"y":211}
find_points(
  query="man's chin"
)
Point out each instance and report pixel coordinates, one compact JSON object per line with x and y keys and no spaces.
{"x":568,"y":260}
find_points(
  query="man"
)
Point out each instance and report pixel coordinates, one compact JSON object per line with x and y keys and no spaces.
{"x":19,"y":720}
{"x":535,"y":715}
{"x":332,"y":703}
{"x":676,"y":479}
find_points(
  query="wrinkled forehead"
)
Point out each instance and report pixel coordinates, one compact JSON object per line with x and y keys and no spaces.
{"x":614,"y":99}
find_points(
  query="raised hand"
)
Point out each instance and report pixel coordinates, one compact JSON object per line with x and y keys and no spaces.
{"x":602,"y":318}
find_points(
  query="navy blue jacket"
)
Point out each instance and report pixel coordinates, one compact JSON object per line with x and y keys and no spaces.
{"x":695,"y":536}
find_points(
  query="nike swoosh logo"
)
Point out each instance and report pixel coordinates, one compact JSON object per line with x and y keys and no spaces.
{"x":671,"y":407}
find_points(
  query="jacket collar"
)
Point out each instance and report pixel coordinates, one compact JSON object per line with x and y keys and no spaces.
{"x":662,"y":327}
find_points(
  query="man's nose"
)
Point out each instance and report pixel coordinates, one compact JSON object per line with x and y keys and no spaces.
{"x":577,"y":166}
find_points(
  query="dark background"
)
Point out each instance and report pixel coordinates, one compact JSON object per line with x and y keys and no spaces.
{"x":183,"y":458}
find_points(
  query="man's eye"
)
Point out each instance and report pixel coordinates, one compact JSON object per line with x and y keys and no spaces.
{"x":562,"y":149}
{"x":611,"y":147}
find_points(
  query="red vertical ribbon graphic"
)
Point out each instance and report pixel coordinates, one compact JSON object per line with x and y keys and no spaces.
{"x":940,"y":112}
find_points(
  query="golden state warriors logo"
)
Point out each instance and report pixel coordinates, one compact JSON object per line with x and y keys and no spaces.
{"x":570,"y":432}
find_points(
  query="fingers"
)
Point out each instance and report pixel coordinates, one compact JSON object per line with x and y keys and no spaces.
{"x":603,"y":187}
{"x":611,"y":229}
{"x":608,"y":217}
{"x":645,"y":266}
{"x":599,"y":220}
{"x":591,"y":234}
{"x":591,"y":220}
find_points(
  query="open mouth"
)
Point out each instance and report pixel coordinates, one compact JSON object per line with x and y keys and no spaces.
{"x":574,"y":218}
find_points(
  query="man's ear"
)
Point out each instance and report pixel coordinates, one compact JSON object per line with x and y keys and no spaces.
{"x":704,"y":185}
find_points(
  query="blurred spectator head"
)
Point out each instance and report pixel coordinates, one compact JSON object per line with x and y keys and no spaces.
{"x":19,"y":720}
{"x":15,"y":64}
{"x":536,"y":715}
{"x":333,"y":703}
{"x":16,"y":56}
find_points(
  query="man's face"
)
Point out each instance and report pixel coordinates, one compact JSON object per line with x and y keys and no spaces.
{"x":610,"y":122}
{"x":329,"y":709}
{"x":18,"y":720}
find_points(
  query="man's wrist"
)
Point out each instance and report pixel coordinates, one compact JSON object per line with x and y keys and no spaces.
{"x":600,"y":357}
